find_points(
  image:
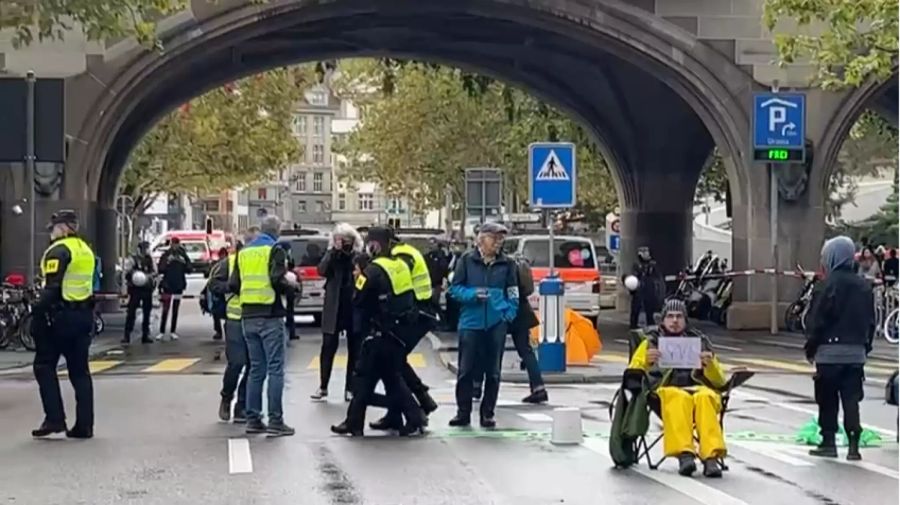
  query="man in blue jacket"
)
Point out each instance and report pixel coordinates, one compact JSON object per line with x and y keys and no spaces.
{"x":486,"y":286}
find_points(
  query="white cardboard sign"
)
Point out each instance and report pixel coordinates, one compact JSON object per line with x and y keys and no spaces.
{"x":680,"y":352}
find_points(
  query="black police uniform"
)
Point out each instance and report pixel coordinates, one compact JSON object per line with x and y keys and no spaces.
{"x":62,"y":328}
{"x":140,"y":296}
{"x":383,"y":354}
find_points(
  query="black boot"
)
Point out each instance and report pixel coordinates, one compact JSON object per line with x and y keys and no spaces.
{"x":461,"y":420}
{"x":539,"y":396}
{"x":225,"y":409}
{"x":853,"y":451}
{"x":827,"y":449}
{"x":345,"y":429}
{"x":387,"y":423}
{"x":712,"y":469}
{"x":80,"y":432}
{"x":686,"y":464}
{"x":426,"y":402}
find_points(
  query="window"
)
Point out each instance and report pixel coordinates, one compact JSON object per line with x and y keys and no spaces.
{"x":318,"y":126}
{"x":301,"y":206}
{"x":243,"y":222}
{"x":568,"y":254}
{"x":317,"y":97}
{"x":298,"y":125}
{"x":342,"y":201}
{"x":212,"y":206}
{"x":318,"y":179}
{"x":262,"y":194}
{"x":301,"y":181}
{"x":318,"y":153}
{"x":320,"y":206}
{"x":366,"y":201}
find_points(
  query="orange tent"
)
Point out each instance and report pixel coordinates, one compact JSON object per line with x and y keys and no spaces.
{"x":582,"y":339}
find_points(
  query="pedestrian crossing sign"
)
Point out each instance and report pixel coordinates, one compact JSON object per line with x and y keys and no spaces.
{"x":552,"y":175}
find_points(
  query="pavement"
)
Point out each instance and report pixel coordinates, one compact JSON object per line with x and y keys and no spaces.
{"x":158,"y":440}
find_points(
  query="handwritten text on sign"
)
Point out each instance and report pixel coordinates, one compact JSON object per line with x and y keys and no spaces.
{"x":679,"y":352}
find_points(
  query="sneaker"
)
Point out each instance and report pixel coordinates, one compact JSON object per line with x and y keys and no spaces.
{"x":536,"y":397}
{"x":320,"y":394}
{"x":279,"y":429}
{"x":686,"y":464}
{"x":712,"y":469}
{"x":460,"y":421}
{"x":239,"y":417}
{"x":225,"y":410}
{"x":255,"y":426}
{"x":160,"y":337}
{"x":47,"y":429}
{"x":173,"y":336}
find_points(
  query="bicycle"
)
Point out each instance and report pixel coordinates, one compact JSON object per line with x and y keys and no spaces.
{"x":889,"y":329}
{"x":795,"y":314}
{"x":15,"y":316}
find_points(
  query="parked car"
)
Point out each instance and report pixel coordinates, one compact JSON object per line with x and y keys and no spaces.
{"x":575,"y":260}
{"x":202,"y":248}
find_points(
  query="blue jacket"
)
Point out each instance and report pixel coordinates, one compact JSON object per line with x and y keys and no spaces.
{"x":500,"y":279}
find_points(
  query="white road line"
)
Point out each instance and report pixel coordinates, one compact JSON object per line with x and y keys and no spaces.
{"x":872,"y":467}
{"x":239,"y":459}
{"x":536,"y":417}
{"x":787,"y":406}
{"x":692,"y":488}
{"x":771,"y":451}
{"x":727,"y":348}
{"x":779,"y":343}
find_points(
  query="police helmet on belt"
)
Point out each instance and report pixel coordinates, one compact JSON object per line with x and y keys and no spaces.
{"x":67,"y":217}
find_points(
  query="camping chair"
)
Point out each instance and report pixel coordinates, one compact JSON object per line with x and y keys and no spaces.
{"x":635,"y":382}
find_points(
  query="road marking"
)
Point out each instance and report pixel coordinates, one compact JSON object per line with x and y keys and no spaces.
{"x":872,"y":467}
{"x":415,"y":360}
{"x":611,"y":358}
{"x":780,"y":343}
{"x":171,"y":365}
{"x":771,"y":363}
{"x":535,"y":417}
{"x":727,"y":348}
{"x":787,"y":406}
{"x":772,"y":451}
{"x":97,"y":366}
{"x":239,"y":459}
{"x":689,"y":487}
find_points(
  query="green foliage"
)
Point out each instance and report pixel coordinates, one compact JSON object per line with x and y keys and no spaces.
{"x":424,"y":124}
{"x":236,"y":135}
{"x":847,"y":41}
{"x":713,"y":181}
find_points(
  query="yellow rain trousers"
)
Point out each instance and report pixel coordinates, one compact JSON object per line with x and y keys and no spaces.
{"x":682,"y":408}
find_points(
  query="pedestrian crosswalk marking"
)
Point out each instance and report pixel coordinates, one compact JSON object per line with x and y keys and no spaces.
{"x":611,"y":358}
{"x":171,"y":365}
{"x":770,"y":451}
{"x":872,"y":467}
{"x":770,"y":363}
{"x":98,"y":366}
{"x":415,"y":360}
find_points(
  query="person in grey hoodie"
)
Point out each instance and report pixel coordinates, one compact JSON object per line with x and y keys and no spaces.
{"x":840,"y":328}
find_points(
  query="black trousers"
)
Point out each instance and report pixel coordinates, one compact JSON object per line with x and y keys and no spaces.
{"x":174,"y":300}
{"x":217,"y":325}
{"x":330,"y":342}
{"x":69,"y":335}
{"x":238,"y":367}
{"x":649,"y":306}
{"x":142,"y":298}
{"x":409,"y":375}
{"x":381,"y":359}
{"x":289,"y":318}
{"x":839,"y":386}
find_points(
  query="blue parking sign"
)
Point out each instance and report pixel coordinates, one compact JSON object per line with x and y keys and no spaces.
{"x":552,"y":175}
{"x":779,"y":120}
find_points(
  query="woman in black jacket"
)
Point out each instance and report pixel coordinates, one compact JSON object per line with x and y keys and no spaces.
{"x":840,"y":328}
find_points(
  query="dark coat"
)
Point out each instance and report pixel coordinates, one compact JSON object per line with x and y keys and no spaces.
{"x":841,"y":312}
{"x":525,"y":317}
{"x":337,"y":269}
{"x":174,"y":265}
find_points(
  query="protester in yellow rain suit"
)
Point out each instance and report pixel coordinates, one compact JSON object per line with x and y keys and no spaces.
{"x":687,"y":397}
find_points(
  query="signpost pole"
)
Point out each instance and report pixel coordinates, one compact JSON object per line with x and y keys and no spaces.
{"x":29,"y":171}
{"x":549,"y":219}
{"x":773,"y":238}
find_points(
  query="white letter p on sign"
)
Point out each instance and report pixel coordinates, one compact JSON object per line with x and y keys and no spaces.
{"x":777,"y":115}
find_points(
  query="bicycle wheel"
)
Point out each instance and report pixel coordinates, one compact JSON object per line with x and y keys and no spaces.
{"x":23,"y":332}
{"x":890,"y":330}
{"x":793,"y":317}
{"x":99,"y":324}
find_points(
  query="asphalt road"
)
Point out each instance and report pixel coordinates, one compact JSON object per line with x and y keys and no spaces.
{"x":158,"y":441}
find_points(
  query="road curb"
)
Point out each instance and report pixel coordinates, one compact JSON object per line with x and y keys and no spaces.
{"x":99,"y":351}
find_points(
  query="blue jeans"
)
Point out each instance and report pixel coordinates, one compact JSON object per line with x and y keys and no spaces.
{"x":265,"y":346}
{"x":480,"y":352}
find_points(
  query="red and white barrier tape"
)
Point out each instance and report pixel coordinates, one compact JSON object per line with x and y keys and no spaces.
{"x":765,"y":271}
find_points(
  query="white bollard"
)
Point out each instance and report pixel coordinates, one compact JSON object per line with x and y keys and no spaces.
{"x":566,"y":426}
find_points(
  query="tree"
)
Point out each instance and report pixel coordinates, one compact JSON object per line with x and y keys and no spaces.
{"x":847,"y":41}
{"x":424,"y":124}
{"x":232,"y":136}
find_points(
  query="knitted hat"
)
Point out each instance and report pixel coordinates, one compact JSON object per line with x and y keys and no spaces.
{"x":674,"y":305}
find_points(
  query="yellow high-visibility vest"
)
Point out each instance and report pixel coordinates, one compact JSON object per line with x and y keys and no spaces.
{"x":398,"y":273}
{"x":78,"y":280}
{"x":233,"y":306}
{"x":421,"y":279}
{"x":256,"y":287}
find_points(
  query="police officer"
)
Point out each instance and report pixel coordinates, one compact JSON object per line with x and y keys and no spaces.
{"x":647,"y":296}
{"x":385,"y":298}
{"x":421,"y":282}
{"x":139,"y":295}
{"x":61,"y":325}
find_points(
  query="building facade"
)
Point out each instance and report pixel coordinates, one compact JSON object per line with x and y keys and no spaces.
{"x":310,"y":182}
